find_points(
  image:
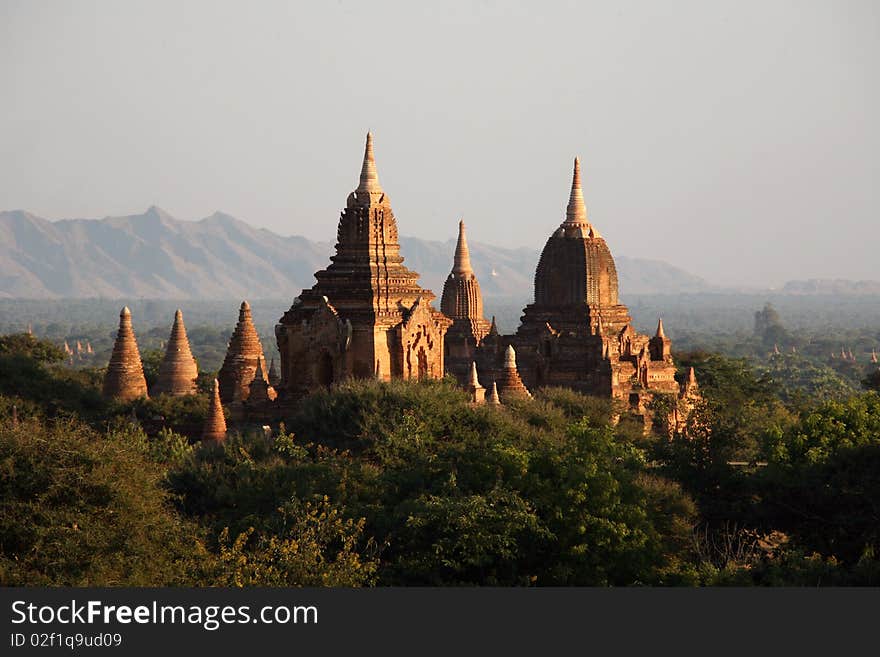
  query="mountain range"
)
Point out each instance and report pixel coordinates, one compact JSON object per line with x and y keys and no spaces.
{"x":153,"y":255}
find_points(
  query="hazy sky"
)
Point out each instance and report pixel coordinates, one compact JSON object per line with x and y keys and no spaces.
{"x":739,"y":140}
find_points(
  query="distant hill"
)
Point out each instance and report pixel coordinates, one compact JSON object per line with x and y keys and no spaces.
{"x":153,"y":255}
{"x":831,"y":286}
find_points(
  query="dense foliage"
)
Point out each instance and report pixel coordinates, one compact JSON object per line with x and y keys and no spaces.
{"x":409,"y":484}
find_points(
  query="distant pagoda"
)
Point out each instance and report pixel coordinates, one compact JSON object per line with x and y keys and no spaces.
{"x":124,"y":380}
{"x":243,"y":355}
{"x":178,"y":371}
{"x":462,"y":302}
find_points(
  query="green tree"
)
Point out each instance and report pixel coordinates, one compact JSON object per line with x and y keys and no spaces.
{"x":822,"y":482}
{"x":78,"y":508}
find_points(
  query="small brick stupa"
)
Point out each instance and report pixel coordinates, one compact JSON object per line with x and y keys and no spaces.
{"x":214,"y":429}
{"x":476,"y":392}
{"x":492,"y":397}
{"x":510,"y":386}
{"x":178,"y":371}
{"x":242,"y":357}
{"x":124,"y":380}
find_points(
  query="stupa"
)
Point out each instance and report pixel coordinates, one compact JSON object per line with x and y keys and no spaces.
{"x":243,"y":355}
{"x":509,"y":384}
{"x":124,"y":380}
{"x":214,"y":429}
{"x":178,"y":371}
{"x":476,"y":392}
{"x":462,"y":302}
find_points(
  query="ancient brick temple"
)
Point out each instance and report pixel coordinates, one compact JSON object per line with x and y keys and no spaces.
{"x":366,"y":316}
{"x":124,"y":380}
{"x":178,"y":371}
{"x":576,"y":334}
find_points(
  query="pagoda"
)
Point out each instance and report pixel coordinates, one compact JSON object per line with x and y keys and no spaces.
{"x":214,"y":428}
{"x":367,"y":316}
{"x":124,"y":380}
{"x":178,"y":371}
{"x":243,"y":357}
{"x":462,"y":302}
{"x":576,"y":333}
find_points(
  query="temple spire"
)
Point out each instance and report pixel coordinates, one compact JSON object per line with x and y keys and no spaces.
{"x":369,"y":181}
{"x":492,"y":397}
{"x":576,"y":213}
{"x":462,"y":263}
{"x":660,"y":332}
{"x":274,"y":378}
{"x":214,"y":428}
{"x":124,"y":380}
{"x":178,"y":371}
{"x":476,"y":392}
{"x":243,"y":355}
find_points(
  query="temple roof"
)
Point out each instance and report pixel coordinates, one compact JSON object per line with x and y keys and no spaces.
{"x":576,"y":266}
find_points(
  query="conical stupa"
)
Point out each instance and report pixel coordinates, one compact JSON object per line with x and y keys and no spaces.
{"x":492,"y":397}
{"x":510,"y":384}
{"x":259,"y":388}
{"x":214,"y":428}
{"x":178,"y":371}
{"x":124,"y":380}
{"x":242,"y":356}
{"x":476,"y":392}
{"x":274,"y":377}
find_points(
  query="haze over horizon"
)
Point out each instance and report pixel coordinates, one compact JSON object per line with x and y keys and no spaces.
{"x":738,"y":141}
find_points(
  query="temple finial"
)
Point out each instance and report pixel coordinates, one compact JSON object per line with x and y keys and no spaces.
{"x":369,"y":181}
{"x":462,"y":262}
{"x":474,"y":380}
{"x":660,"y":332}
{"x":576,"y":213}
